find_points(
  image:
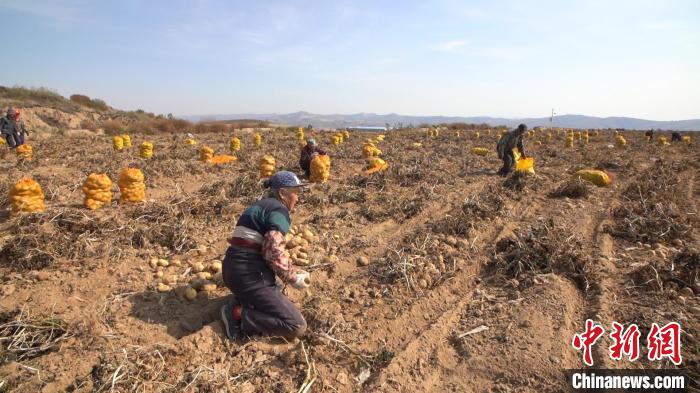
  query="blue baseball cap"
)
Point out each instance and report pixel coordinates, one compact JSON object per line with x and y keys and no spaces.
{"x":285,"y":179}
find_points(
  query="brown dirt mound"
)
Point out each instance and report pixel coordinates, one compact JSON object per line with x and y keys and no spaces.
{"x":543,"y":248}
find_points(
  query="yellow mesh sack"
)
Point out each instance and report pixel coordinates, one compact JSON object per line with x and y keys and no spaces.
{"x":98,"y":191}
{"x":526,"y":165}
{"x":480,"y":151}
{"x":380,"y":137}
{"x":569,"y":142}
{"x":346,"y":134}
{"x":127,"y":141}
{"x":132,"y":188}
{"x":222,"y":159}
{"x":320,"y":168}
{"x":235,"y":144}
{"x":267,"y":166}
{"x":686,"y":139}
{"x":118,"y":143}
{"x":620,"y":141}
{"x":368,"y":150}
{"x":2,"y":142}
{"x":663,"y":141}
{"x":300,"y":134}
{"x":25,"y":152}
{"x":376,"y":164}
{"x":146,"y":150}
{"x":26,"y":196}
{"x":599,"y":178}
{"x":206,"y":153}
{"x":191,"y":142}
{"x":257,"y":139}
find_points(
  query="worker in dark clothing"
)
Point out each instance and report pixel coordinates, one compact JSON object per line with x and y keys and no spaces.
{"x":12,"y":129}
{"x":256,"y":256}
{"x":650,"y":135}
{"x":505,"y":146}
{"x":308,"y":153}
{"x":676,"y":137}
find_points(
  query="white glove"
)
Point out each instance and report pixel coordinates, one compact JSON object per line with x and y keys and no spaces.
{"x":303,"y":280}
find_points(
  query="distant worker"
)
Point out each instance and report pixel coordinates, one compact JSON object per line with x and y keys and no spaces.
{"x":308,"y":153}
{"x":650,"y":135}
{"x":505,"y":146}
{"x":12,"y":128}
{"x":676,"y":137}
{"x":256,"y":255}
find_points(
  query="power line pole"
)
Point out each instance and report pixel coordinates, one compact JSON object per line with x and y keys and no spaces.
{"x":551,"y":119}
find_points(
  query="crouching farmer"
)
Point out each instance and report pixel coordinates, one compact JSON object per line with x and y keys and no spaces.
{"x":255,"y":256}
{"x":308,"y":153}
{"x":505,"y":146}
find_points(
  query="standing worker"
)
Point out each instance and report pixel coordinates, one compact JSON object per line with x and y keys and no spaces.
{"x":505,"y":146}
{"x":650,"y":135}
{"x":256,"y":254}
{"x":12,"y":129}
{"x":308,"y":153}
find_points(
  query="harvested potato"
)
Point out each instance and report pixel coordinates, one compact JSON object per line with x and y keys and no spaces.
{"x":308,"y":235}
{"x":153,"y":263}
{"x":170,"y":279}
{"x":158,"y":274}
{"x":163,"y":263}
{"x":163,"y":287}
{"x":216,"y":266}
{"x":190,"y":293}
{"x":176,"y":262}
{"x":204,"y":275}
{"x":209,"y":287}
{"x":198,"y":267}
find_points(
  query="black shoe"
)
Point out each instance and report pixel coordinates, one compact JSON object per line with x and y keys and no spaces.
{"x":232,"y":327}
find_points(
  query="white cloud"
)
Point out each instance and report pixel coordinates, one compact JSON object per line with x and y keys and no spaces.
{"x":450,"y":46}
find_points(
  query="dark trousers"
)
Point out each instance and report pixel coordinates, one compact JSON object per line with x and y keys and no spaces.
{"x":508,"y":162}
{"x":266,"y":310}
{"x":306,"y":167}
{"x":12,"y":140}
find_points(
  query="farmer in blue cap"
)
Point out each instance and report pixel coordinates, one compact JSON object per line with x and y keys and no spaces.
{"x":255,"y":256}
{"x":308,"y":153}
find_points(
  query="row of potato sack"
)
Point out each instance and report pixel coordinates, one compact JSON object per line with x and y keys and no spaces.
{"x":26,"y":195}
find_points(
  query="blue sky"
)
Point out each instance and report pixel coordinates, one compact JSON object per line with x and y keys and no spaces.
{"x":470,"y":58}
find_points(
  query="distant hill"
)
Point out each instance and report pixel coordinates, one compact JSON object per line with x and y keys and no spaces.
{"x":372,"y":119}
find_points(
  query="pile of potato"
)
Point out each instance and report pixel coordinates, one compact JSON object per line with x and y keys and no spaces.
{"x":200,"y":277}
{"x":299,"y":241}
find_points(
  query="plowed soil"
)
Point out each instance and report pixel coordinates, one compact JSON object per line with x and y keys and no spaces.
{"x":451,"y":247}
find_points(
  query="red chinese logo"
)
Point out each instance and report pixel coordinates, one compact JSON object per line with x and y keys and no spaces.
{"x":665,"y":342}
{"x":584,"y":341}
{"x":625,"y":342}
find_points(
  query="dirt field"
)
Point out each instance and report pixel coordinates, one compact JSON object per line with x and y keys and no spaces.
{"x":451,"y":247}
